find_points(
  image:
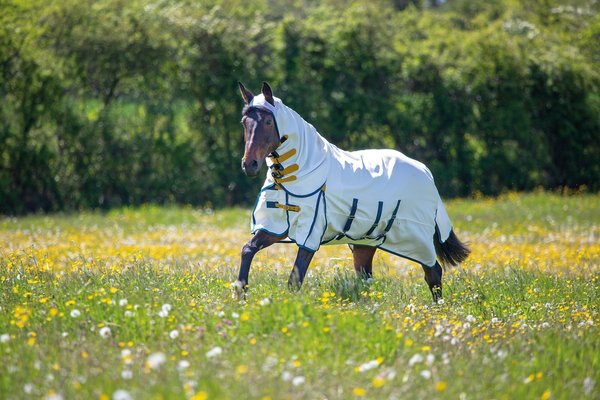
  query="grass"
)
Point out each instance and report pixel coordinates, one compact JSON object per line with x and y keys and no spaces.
{"x":136,"y":303}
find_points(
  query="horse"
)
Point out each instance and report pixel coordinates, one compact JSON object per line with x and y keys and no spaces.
{"x":316,"y":194}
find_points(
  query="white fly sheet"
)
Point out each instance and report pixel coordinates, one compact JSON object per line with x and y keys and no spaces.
{"x":316,"y":193}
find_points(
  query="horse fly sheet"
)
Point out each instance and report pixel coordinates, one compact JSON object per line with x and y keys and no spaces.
{"x":316,"y":193}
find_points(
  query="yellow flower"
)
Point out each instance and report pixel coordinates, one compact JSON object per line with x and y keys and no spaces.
{"x":441,"y":386}
{"x":359,"y":392}
{"x":546,"y":395}
{"x":201,"y":395}
{"x":241,"y":369}
{"x":378,"y":382}
{"x":113,"y":290}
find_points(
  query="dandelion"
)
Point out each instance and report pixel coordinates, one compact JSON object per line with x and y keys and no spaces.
{"x":359,"y":392}
{"x":105,"y":332}
{"x":235,"y":315}
{"x":441,"y":386}
{"x":75,"y":313}
{"x":174,"y":334}
{"x":378,"y":382}
{"x":200,"y":396}
{"x":165,"y":310}
{"x":121,"y":395}
{"x":426,"y":374}
{"x":215,"y":351}
{"x":470,"y":318}
{"x":155,"y":360}
{"x":546,"y":395}
{"x":4,"y":338}
{"x":298,"y":380}
{"x":429,"y":359}
{"x":123,"y":302}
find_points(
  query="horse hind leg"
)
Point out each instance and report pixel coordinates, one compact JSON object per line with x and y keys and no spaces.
{"x":363,"y":260}
{"x":433,"y":277}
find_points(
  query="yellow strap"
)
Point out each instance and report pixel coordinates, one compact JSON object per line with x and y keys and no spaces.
{"x":286,"y":179}
{"x":285,"y":171}
{"x":283,"y":157}
{"x":287,"y":208}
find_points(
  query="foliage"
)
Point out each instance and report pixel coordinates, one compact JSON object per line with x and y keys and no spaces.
{"x":137,"y":302}
{"x":110,"y":103}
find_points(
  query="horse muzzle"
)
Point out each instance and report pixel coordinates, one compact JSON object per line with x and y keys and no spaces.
{"x":250,"y":167}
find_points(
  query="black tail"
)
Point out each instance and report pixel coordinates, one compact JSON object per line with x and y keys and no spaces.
{"x":452,"y":251}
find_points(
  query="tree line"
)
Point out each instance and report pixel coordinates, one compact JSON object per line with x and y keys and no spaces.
{"x":110,"y":103}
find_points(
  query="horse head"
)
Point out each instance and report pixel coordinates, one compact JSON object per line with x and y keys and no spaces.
{"x":260,"y":130}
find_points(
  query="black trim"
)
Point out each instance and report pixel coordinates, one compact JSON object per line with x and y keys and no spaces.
{"x":391,"y":221}
{"x":379,"y":210}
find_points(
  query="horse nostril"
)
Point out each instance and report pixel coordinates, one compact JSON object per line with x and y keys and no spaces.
{"x":254,"y":164}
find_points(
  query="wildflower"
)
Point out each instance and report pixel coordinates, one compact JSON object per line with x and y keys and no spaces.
{"x":359,"y":392}
{"x":4,"y":338}
{"x":75,"y":313}
{"x":265,"y":302}
{"x":429,"y":359}
{"x":215,"y":351}
{"x":546,"y":395}
{"x":165,"y":310}
{"x":287,"y":376}
{"x":426,"y":374}
{"x":368,"y":366}
{"x":126,"y":374}
{"x":123,"y":302}
{"x":235,"y":315}
{"x":200,"y":396}
{"x":470,"y":318}
{"x":155,"y":360}
{"x":416,"y":359}
{"x":588,"y":385}
{"x":121,"y":395}
{"x":183,"y":365}
{"x":105,"y":332}
{"x":298,"y":380}
{"x":54,"y":396}
{"x":441,"y":386}
{"x":174,"y":334}
{"x":28,"y":388}
{"x":129,"y":313}
{"x":378,"y":382}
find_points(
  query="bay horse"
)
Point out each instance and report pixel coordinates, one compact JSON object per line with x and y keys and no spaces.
{"x":315,"y":193}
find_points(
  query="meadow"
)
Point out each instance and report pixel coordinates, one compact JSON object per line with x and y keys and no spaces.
{"x":138,"y":304}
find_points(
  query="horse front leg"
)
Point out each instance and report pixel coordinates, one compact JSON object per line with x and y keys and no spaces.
{"x":301,"y":264}
{"x":363,"y":260}
{"x":259,"y":241}
{"x":433,"y":277}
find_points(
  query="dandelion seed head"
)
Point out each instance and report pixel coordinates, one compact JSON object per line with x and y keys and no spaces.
{"x":298,"y":380}
{"x":105,"y":332}
{"x":75,"y":313}
{"x":214,"y":352}
{"x":174,"y":334}
{"x":4,"y":338}
{"x":126,"y":374}
{"x":123,"y":302}
{"x":425,"y":374}
{"x":121,"y":395}
{"x":416,"y":359}
{"x":155,"y":360}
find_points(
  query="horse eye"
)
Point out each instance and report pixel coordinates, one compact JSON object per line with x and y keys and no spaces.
{"x":269,"y":122}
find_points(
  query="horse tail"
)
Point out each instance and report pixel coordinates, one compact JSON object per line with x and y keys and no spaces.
{"x":452,"y":251}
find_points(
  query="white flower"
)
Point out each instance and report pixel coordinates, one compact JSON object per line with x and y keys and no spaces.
{"x":215,"y":351}
{"x":126,"y":374}
{"x":54,"y":396}
{"x":265,"y":302}
{"x":163,"y":314}
{"x":441,"y":302}
{"x":416,"y":359}
{"x":221,"y":314}
{"x":174,"y":334}
{"x":129,"y":313}
{"x":155,"y":360}
{"x":470,"y":318}
{"x":429,"y":359}
{"x":368,"y":366}
{"x":166,"y":307}
{"x":64,"y":334}
{"x":121,"y":395}
{"x":28,"y":388}
{"x":287,"y":376}
{"x":495,"y":320}
{"x":123,"y":302}
{"x":105,"y":332}
{"x":182,"y":365}
{"x":426,"y":374}
{"x":588,"y":385}
{"x":75,"y":313}
{"x":4,"y":338}
{"x":297,"y":381}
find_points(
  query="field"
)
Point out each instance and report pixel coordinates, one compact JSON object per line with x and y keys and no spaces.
{"x":137,"y":304}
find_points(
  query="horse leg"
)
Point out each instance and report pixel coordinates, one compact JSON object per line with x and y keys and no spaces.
{"x":433,"y":277}
{"x":259,"y":241}
{"x":301,"y":264}
{"x":363,"y":260}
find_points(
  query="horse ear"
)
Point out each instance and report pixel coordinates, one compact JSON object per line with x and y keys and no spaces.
{"x":246,"y":94}
{"x":268,"y":93}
